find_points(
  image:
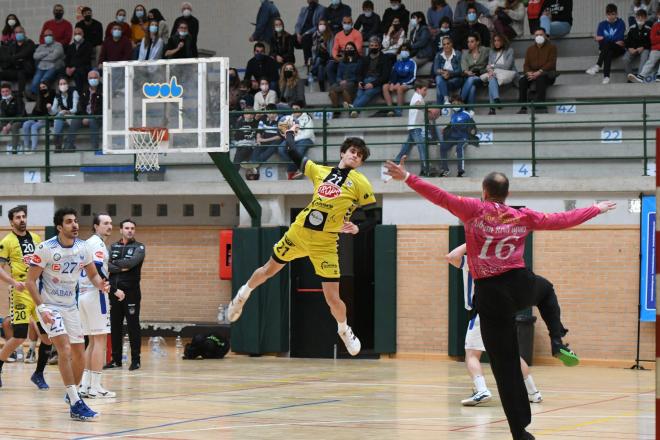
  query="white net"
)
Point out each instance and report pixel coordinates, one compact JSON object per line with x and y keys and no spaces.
{"x":147,"y":142}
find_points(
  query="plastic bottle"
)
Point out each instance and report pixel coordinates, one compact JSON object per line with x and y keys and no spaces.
{"x":125,"y":349}
{"x":178,"y":343}
{"x":221,"y":314}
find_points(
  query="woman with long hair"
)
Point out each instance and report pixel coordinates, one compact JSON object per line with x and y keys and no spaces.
{"x":281,"y":45}
{"x":151,"y":46}
{"x":501,"y":69}
{"x":292,"y":87}
{"x":322,"y":40}
{"x":8,"y":33}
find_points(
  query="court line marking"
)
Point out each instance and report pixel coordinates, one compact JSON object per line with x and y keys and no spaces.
{"x":202,"y":419}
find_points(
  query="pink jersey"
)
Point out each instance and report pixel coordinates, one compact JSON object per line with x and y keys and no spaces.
{"x":495,"y":233}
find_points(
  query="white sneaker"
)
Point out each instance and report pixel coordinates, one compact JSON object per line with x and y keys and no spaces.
{"x":477,"y":398}
{"x":351,"y":341}
{"x":101,"y":393}
{"x":606,"y":80}
{"x":31,"y":356}
{"x":235,"y":307}
{"x":83,"y":392}
{"x":593,"y":70}
{"x":19,"y":354}
{"x":535,"y":398}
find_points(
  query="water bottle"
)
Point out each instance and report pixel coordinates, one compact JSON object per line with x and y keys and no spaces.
{"x":178,"y":343}
{"x":125,"y":348}
{"x":155,"y":347}
{"x":221,"y":314}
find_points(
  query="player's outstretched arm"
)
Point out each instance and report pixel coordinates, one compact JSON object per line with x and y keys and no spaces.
{"x":568,"y":219}
{"x":456,"y":255}
{"x":96,"y":279}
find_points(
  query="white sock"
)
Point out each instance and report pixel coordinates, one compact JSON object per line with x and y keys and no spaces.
{"x":33,"y":345}
{"x":244,"y":291}
{"x":84,"y":383}
{"x":96,"y":380}
{"x":342,"y":327}
{"x":480,"y":383}
{"x":530,"y":385}
{"x":72,"y":392}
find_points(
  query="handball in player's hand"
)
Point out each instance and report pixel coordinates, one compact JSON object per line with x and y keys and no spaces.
{"x":287,"y":124}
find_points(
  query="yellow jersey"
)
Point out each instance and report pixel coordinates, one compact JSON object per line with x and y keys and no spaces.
{"x":337,"y":193}
{"x":17,"y":251}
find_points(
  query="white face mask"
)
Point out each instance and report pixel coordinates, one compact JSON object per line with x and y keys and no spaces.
{"x":394,"y":6}
{"x":187,"y":12}
{"x":539,"y":39}
{"x":279,"y":28}
{"x":640,"y":24}
{"x":64,"y":88}
{"x":368,"y":13}
{"x":264,"y":88}
{"x":321,"y":28}
{"x":77,"y":38}
{"x":11,"y":23}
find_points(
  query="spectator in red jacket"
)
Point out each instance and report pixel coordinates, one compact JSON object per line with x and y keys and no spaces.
{"x":62,"y":29}
{"x":120,"y":19}
{"x":116,"y":48}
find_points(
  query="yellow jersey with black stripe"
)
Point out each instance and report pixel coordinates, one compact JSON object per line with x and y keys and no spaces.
{"x":17,"y":250}
{"x":337,"y":193}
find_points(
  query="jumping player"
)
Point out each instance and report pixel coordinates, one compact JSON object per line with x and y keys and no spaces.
{"x":495,"y":235}
{"x":56,"y":265}
{"x":474,"y":344}
{"x":95,"y":311}
{"x":16,"y":250}
{"x":338,"y":191}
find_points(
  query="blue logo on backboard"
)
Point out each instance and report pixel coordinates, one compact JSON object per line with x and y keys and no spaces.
{"x":163,"y":90}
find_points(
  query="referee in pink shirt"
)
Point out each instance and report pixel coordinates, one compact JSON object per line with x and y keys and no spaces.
{"x":495,"y":235}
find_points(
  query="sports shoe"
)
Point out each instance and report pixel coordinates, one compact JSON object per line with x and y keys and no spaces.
{"x":112,"y":364}
{"x":83,"y":392}
{"x":38,"y":379}
{"x":477,"y":398}
{"x":593,"y":70}
{"x":606,"y":80}
{"x":564,"y":354}
{"x":444,"y":173}
{"x":657,"y":78}
{"x":235,"y":307}
{"x":19,"y":354}
{"x":52,"y":360}
{"x":351,"y":341}
{"x":101,"y":393}
{"x":461,"y":173}
{"x":80,"y":411}
{"x":12,"y":358}
{"x":638,"y":78}
{"x":354,"y":114}
{"x":31,"y":356}
{"x":535,"y":397}
{"x":135,"y":365}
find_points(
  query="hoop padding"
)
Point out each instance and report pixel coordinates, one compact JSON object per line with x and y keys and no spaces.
{"x":147,"y":142}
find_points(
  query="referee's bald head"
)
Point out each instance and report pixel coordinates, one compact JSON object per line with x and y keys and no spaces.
{"x":495,"y":186}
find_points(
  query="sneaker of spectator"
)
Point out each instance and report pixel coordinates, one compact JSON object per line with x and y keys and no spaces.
{"x":638,"y":44}
{"x":61,"y":29}
{"x":610,"y":38}
{"x":282,"y":44}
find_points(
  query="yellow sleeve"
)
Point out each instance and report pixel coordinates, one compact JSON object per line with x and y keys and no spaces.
{"x":4,"y":248}
{"x":311,"y":169}
{"x":367,"y":196}
{"x":35,"y":239}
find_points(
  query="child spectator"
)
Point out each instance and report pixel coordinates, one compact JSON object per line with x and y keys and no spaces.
{"x":638,"y":44}
{"x":610,"y":38}
{"x":402,"y":77}
{"x":348,"y":76}
{"x":646,"y":73}
{"x":456,"y":134}
{"x":264,"y":96}
{"x":11,"y":107}
{"x":416,"y":128}
{"x":368,"y":23}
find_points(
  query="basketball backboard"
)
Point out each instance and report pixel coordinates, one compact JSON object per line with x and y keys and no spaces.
{"x":189,"y":97}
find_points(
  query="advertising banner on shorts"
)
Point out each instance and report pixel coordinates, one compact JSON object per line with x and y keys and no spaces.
{"x":647,"y":269}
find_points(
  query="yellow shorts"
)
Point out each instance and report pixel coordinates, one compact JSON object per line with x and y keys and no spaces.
{"x":319,"y":246}
{"x":22,"y":307}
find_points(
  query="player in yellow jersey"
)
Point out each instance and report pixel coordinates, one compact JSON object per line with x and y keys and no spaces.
{"x":16,"y":250}
{"x":338,"y":191}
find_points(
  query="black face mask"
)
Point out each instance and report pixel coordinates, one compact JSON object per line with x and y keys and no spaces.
{"x":373,"y":50}
{"x":349,"y":53}
{"x":58,"y":15}
{"x":43,"y":92}
{"x":88,"y":18}
{"x":396,"y":27}
{"x":288,"y":74}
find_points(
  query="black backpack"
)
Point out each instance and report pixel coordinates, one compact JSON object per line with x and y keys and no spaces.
{"x":206,"y":346}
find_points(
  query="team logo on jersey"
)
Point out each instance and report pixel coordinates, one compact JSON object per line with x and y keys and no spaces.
{"x":56,"y":257}
{"x":315,"y":218}
{"x":329,"y":190}
{"x":349,"y":183}
{"x":55,"y":280}
{"x":99,"y":254}
{"x":27,"y":259}
{"x":56,"y":267}
{"x":36,"y":259}
{"x":82,"y":257}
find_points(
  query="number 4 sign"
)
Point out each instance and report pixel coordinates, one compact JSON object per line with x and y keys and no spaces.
{"x":522,"y":169}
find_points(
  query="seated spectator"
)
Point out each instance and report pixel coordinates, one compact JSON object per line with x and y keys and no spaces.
{"x":90,"y":103}
{"x":245,"y":95}
{"x":9,"y":31}
{"x":116,"y":48}
{"x":342,"y":92}
{"x":375,"y":72}
{"x":398,"y":11}
{"x":264,"y":96}
{"x":78,"y":59}
{"x":557,"y":18}
{"x":244,"y":138}
{"x":49,"y":58}
{"x":421,"y":45}
{"x":439,"y":9}
{"x":18,"y":64}
{"x":470,"y":27}
{"x":647,"y":71}
{"x":139,"y":25}
{"x":192,"y":22}
{"x":41,"y":108}
{"x":322,"y":41}
{"x":610,"y":38}
{"x":120,"y":20}
{"x":92,"y":28}
{"x":508,"y":18}
{"x":474,"y":63}
{"x":307,"y":24}
{"x":445,"y":30}
{"x":262,"y":66}
{"x":151,"y":46}
{"x":501,"y":69}
{"x":64,"y":104}
{"x":447,"y":70}
{"x":61,"y":29}
{"x":368,"y":23}
{"x":269,"y":139}
{"x":402,"y":78}
{"x":234,"y":88}
{"x":456,"y":134}
{"x":648,"y":6}
{"x":304,"y":138}
{"x":347,"y":34}
{"x":281,"y":44}
{"x":462,"y":10}
{"x":292,"y":87}
{"x":534,"y":11}
{"x":163,"y":29}
{"x":393,"y":39}
{"x":638,"y":44}
{"x":180,"y":45}
{"x":263,"y":28}
{"x":540,"y":68}
{"x":334,"y":15}
{"x":416,"y":129}
{"x":11,"y":107}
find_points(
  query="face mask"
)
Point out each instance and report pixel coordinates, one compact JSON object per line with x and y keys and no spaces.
{"x":288,"y":74}
{"x":444,"y":30}
{"x":116,"y":33}
{"x":405,"y":54}
{"x":187,"y":12}
{"x":264,"y":88}
{"x":77,"y":38}
{"x":539,"y":39}
{"x":48,"y":39}
{"x":373,"y":50}
{"x":88,"y":18}
{"x":349,"y":53}
{"x":20,"y":36}
{"x":121,"y":18}
{"x":64,"y":88}
{"x":58,"y":15}
{"x":347,"y":27}
{"x":44,"y":92}
{"x":93,"y":82}
{"x":6,"y":98}
{"x":472,"y":17}
{"x":11,"y":23}
{"x":139,"y":13}
{"x":153,"y":29}
{"x":396,"y":27}
{"x":368,"y":13}
{"x":640,"y":24}
{"x":259,"y":56}
{"x":279,"y":28}
{"x":334,"y":2}
{"x":394,"y":6}
{"x":183,"y":34}
{"x":413,"y":24}
{"x":232,"y":77}
{"x":321,"y":28}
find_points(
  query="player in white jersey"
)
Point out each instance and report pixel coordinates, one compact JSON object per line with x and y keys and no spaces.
{"x":95,"y":311}
{"x":474,"y":344}
{"x":56,"y":265}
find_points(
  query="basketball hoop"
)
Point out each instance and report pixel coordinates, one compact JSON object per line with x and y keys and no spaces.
{"x":147,"y":142}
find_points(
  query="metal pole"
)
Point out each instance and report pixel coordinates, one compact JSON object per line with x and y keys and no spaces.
{"x":47,"y":150}
{"x":637,"y":366}
{"x":425,"y":163}
{"x":533,"y":115}
{"x":325,"y":137}
{"x":646,"y":159}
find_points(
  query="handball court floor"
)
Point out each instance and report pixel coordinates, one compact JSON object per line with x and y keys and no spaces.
{"x":268,"y":397}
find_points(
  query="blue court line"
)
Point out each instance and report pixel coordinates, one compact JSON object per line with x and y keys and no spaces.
{"x":242,"y":413}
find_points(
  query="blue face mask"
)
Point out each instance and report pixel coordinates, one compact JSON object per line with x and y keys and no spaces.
{"x":93,"y":82}
{"x":20,"y":36}
{"x":334,"y":2}
{"x":472,"y":17}
{"x":182,"y":34}
{"x":153,"y":29}
{"x":48,"y":39}
{"x":347,"y":27}
{"x":405,"y":54}
{"x":116,"y":33}
{"x":139,"y":13}
{"x":259,"y":56}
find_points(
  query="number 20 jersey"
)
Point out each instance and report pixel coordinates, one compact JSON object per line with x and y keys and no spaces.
{"x":58,"y":284}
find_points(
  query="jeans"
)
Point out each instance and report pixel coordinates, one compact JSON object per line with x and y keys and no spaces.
{"x":13,"y":127}
{"x":301,"y":148}
{"x":94,"y":127}
{"x":608,"y":51}
{"x":31,"y":131}
{"x":469,"y":90}
{"x":364,"y":96}
{"x":415,"y":136}
{"x":58,"y":128}
{"x":628,"y":60}
{"x":649,"y":66}
{"x":331,"y":71}
{"x":444,"y":86}
{"x":446,"y":146}
{"x":493,"y":89}
{"x":555,"y":29}
{"x":42,"y":75}
{"x":318,"y":69}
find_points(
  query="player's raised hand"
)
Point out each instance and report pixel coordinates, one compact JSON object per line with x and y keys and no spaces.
{"x":349,"y":228}
{"x":120,"y":294}
{"x":606,"y":205}
{"x":398,"y":172}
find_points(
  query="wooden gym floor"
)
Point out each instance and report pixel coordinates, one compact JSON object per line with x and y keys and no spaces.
{"x":279,"y":398}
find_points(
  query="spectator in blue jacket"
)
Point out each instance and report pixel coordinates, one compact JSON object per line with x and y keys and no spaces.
{"x":611,"y":42}
{"x":402,"y":77}
{"x":263,"y":28}
{"x":306,"y":25}
{"x":368,"y":23}
{"x":447,"y":71}
{"x":456,"y":133}
{"x":421,"y":44}
{"x":348,"y":77}
{"x":335,"y":13}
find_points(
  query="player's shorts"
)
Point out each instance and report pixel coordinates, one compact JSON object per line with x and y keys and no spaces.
{"x":473,"y":340}
{"x":66,"y":321}
{"x":319,"y":246}
{"x":21,"y":307}
{"x":94,"y":309}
